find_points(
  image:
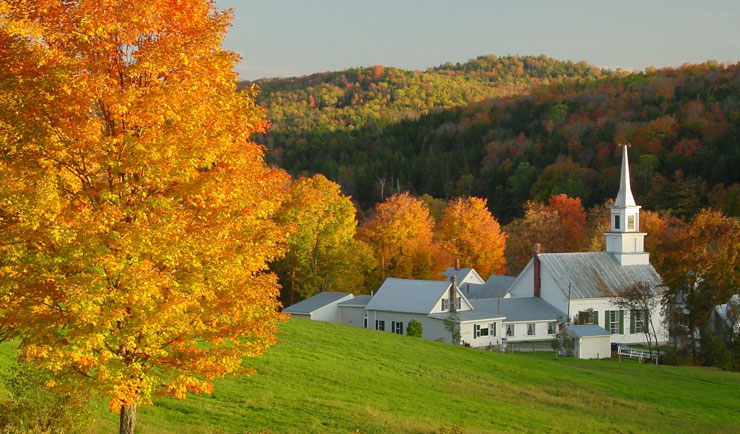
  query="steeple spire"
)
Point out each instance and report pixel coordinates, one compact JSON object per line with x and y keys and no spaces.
{"x":624,"y":197}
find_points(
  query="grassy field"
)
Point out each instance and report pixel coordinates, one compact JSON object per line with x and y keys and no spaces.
{"x":329,"y":378}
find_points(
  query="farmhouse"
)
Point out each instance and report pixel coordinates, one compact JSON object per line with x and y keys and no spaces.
{"x":528,"y":308}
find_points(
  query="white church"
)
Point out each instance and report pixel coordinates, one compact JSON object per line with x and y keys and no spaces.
{"x":525,"y":309}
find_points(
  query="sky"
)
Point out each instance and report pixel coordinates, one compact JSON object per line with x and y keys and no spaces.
{"x":286,"y":38}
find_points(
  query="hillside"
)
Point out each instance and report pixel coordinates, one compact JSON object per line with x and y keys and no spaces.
{"x":377,"y":95}
{"x":330,"y":378}
{"x":683,"y":123}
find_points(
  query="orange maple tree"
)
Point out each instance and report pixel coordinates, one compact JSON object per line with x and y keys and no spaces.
{"x":400,"y":234}
{"x":136,"y":214}
{"x":469,"y":232}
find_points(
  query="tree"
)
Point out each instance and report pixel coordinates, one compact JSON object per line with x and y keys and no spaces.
{"x":400,"y":234}
{"x":643,"y":301}
{"x":535,"y":227}
{"x":414,"y":328}
{"x":572,"y":231}
{"x":701,"y":272}
{"x":468,"y":231}
{"x":323,"y":254}
{"x":137,"y":215}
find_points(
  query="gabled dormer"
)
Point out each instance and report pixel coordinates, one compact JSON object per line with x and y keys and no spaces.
{"x":624,"y":240}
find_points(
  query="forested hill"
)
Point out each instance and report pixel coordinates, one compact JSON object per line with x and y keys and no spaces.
{"x":683,"y":124}
{"x":380,"y":95}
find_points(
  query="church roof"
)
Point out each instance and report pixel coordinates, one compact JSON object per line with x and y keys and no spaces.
{"x":595,"y":274}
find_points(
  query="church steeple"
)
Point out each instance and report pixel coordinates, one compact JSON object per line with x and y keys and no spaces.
{"x":625,"y":241}
{"x":624,"y":197}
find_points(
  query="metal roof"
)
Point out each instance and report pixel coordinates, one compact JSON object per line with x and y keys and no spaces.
{"x":587,"y":330}
{"x":494,"y":287}
{"x":316,"y":302}
{"x":461,"y":274}
{"x":359,"y":300}
{"x":526,"y":309}
{"x":512,"y":310}
{"x":595,"y":274}
{"x":407,"y":295}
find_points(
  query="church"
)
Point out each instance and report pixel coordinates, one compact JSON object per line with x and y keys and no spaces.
{"x":590,"y":281}
{"x":522,"y":310}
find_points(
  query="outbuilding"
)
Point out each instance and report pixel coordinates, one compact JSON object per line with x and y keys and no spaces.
{"x":590,"y":341}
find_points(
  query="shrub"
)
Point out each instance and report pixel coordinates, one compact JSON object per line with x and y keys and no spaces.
{"x":34,"y":408}
{"x":414,"y":328}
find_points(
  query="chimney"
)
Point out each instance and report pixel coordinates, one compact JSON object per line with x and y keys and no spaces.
{"x":537,"y":269}
{"x":453,"y":295}
{"x":457,"y":264}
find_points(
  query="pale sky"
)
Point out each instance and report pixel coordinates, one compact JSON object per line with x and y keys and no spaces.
{"x":296,"y":37}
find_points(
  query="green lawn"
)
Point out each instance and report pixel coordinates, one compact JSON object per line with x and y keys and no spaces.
{"x":330,"y":378}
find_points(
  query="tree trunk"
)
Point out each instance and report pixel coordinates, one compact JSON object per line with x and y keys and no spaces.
{"x":128,"y":419}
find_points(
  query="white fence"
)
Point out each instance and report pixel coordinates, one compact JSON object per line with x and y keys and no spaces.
{"x":640,"y":355}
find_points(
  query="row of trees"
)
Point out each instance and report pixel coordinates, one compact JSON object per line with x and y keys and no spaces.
{"x":327,"y":250}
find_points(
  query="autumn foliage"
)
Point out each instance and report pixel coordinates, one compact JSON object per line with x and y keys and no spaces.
{"x":467,"y":231}
{"x":400,"y":233}
{"x":136,"y":216}
{"x":323,"y":254}
{"x":559,"y":226}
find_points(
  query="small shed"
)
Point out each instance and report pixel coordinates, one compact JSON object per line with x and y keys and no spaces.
{"x":590,"y":341}
{"x":323,"y":306}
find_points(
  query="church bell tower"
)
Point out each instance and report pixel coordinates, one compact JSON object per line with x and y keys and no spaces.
{"x":625,"y":241}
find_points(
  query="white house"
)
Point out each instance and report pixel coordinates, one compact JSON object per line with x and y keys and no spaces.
{"x":590,"y":281}
{"x":438,"y":306}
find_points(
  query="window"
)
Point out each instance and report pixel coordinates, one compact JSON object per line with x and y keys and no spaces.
{"x":379,"y":325}
{"x":614,"y":321}
{"x":493,"y":329}
{"x":509,"y":329}
{"x":638,"y":321}
{"x":364,"y":322}
{"x":444,"y":304}
{"x":630,"y":223}
{"x":616,"y":222}
{"x":479,"y":331}
{"x":551,"y":327}
{"x":397,"y":327}
{"x":530,"y":329}
{"x":458,"y":302}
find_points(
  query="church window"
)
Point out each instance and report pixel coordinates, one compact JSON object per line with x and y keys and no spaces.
{"x":638,"y":321}
{"x":630,"y":223}
{"x":614,"y":321}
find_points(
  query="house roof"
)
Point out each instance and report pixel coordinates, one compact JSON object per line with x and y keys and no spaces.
{"x":587,"y":330}
{"x":526,"y":309}
{"x":316,"y":302}
{"x":462,"y":274}
{"x":491,"y":288}
{"x":359,"y":301}
{"x":595,"y":274}
{"x":512,"y":309}
{"x":406,"y":295}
